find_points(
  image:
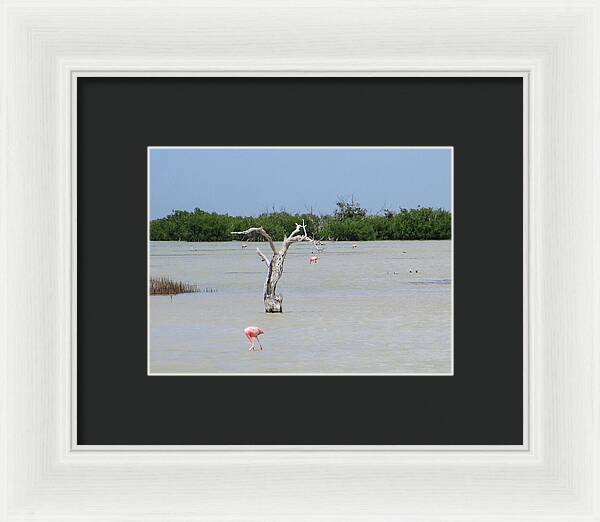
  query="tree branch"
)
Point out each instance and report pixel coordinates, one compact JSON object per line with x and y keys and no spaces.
{"x":296,"y":230}
{"x":294,"y":237}
{"x":316,"y":245}
{"x":261,"y":232}
{"x":262,"y":256}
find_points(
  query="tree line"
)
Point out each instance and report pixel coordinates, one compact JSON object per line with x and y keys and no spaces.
{"x":350,"y":222}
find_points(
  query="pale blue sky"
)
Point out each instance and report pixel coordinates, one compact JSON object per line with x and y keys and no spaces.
{"x":251,"y":181}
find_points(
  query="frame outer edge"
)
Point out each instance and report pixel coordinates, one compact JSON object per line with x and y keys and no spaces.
{"x":4,"y":244}
{"x":58,"y":489}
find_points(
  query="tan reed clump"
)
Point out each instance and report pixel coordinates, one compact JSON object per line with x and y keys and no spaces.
{"x":166,"y":286}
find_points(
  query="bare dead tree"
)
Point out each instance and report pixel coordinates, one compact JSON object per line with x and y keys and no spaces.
{"x":273,"y":301}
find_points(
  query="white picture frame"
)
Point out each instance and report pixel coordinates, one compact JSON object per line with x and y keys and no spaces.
{"x":553,"y":45}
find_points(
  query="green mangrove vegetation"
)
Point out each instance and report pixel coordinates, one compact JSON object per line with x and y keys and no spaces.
{"x":350,"y":222}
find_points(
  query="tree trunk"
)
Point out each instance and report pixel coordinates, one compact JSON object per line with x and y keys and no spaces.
{"x":271,"y":298}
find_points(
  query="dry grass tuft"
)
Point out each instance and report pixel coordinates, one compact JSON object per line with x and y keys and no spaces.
{"x":166,"y":286}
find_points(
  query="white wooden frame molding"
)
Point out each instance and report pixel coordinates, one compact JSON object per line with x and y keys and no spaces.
{"x":554,"y":45}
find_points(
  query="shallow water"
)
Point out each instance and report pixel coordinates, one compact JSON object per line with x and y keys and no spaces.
{"x":356,"y":311}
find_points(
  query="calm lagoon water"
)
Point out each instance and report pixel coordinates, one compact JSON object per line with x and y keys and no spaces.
{"x":358,"y":311}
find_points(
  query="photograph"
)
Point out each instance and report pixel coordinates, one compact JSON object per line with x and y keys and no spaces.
{"x":300,"y":261}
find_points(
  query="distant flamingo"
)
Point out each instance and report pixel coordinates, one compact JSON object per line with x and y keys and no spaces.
{"x":313,"y":259}
{"x":252,"y":332}
{"x":354,"y":246}
{"x":244,"y":246}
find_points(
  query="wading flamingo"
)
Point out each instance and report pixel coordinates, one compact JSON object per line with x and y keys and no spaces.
{"x":244,"y":246}
{"x":313,"y":259}
{"x":354,"y":246}
{"x":252,"y":332}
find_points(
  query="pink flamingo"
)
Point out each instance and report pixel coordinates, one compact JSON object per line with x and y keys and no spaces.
{"x":244,"y":246}
{"x":313,"y":259}
{"x":354,"y":246}
{"x":252,"y":332}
